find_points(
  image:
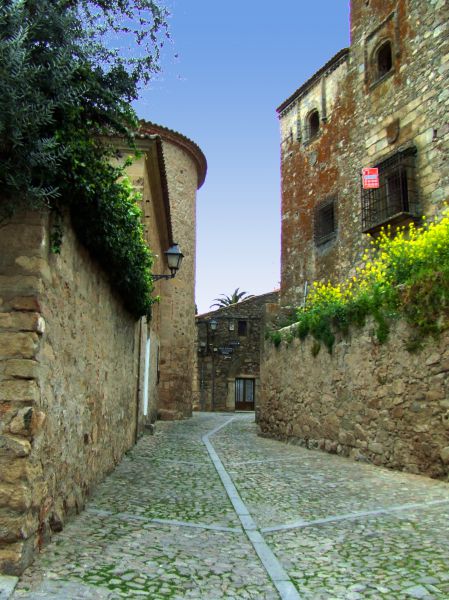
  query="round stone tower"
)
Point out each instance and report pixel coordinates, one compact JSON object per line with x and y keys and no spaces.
{"x":186,"y":168}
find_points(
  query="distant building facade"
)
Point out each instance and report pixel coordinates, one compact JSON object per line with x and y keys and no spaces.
{"x":381,"y":103}
{"x":228,"y":344}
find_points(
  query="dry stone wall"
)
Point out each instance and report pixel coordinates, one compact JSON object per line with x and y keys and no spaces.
{"x":371,"y":402}
{"x":68,"y":384}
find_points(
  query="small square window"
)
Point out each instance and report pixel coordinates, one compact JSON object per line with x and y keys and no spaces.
{"x":242,"y":328}
{"x":325,"y":222}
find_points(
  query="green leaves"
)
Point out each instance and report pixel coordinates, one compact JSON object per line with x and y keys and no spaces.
{"x":407,"y":276}
{"x":63,"y":87}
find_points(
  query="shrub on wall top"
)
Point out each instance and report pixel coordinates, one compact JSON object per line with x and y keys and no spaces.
{"x":403,"y":275}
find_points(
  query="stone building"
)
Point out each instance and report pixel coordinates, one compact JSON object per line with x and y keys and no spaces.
{"x":228,"y":344}
{"x":79,"y":377}
{"x":382,"y":103}
{"x":186,"y":171}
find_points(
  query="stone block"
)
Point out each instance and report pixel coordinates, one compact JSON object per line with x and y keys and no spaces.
{"x":19,"y":390}
{"x":21,"y":368}
{"x":13,"y":469}
{"x":445,"y":455}
{"x":435,"y":395}
{"x":16,"y":557}
{"x":20,"y":285}
{"x":14,"y":446}
{"x":16,"y":497}
{"x":30,"y":303}
{"x":27,"y":422}
{"x":23,"y":345}
{"x":22,"y":321}
{"x":35,"y":265}
{"x":376,"y":447}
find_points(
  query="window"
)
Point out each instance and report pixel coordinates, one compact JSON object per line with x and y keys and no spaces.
{"x":396,"y":199}
{"x":313,"y":125}
{"x":325,"y":221}
{"x":242,"y":328}
{"x":383,"y":60}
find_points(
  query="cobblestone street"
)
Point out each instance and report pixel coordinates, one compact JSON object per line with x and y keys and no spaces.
{"x":205,"y":509}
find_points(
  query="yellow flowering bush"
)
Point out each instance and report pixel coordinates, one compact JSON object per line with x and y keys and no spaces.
{"x":403,"y":274}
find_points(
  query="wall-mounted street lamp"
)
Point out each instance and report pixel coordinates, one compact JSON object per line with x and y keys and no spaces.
{"x":174,"y":260}
{"x":213,"y":324}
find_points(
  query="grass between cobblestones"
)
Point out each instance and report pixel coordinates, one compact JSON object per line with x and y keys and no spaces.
{"x":117,"y":550}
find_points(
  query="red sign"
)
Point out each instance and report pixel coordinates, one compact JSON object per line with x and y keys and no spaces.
{"x":370,"y":178}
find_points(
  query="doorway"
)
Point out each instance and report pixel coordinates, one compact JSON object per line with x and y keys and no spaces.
{"x":244,"y":394}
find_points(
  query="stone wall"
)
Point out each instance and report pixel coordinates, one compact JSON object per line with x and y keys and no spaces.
{"x":218,"y":369}
{"x":364,"y":120}
{"x":68,"y":383}
{"x":186,"y":170}
{"x":178,"y":307}
{"x":371,"y":402}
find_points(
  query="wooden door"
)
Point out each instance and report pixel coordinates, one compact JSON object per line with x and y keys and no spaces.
{"x":244,"y":394}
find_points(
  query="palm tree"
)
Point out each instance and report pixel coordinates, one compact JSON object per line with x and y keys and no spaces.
{"x":233,"y":299}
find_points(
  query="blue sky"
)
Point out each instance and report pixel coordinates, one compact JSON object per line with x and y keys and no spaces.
{"x":227,"y":68}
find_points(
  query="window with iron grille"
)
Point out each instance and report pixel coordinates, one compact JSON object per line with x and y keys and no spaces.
{"x":325,"y":222}
{"x":396,"y":199}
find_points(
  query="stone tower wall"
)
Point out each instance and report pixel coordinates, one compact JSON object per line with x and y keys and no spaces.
{"x":363,"y":121}
{"x":178,"y":295}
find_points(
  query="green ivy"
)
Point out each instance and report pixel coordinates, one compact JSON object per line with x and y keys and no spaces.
{"x":107,"y":219}
{"x":62,"y":89}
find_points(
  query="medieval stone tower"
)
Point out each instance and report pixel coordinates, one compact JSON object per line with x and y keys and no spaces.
{"x":186,"y":170}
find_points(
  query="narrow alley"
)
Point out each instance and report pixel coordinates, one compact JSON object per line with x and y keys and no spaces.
{"x":206,"y":509}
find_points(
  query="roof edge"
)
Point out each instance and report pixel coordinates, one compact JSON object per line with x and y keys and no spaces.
{"x":180,"y":140}
{"x":330,"y":66}
{"x":249,"y":299}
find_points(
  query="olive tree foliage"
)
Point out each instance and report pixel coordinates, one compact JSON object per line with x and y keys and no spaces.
{"x":64,"y":80}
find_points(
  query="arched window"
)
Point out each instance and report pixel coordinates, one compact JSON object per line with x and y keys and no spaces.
{"x":313,"y":124}
{"x":384,"y":59}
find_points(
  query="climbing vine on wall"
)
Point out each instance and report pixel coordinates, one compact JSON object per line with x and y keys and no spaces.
{"x":63,"y":88}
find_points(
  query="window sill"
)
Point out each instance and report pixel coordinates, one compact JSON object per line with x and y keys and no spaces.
{"x":398,"y":219}
{"x":381,"y":79}
{"x":325,"y":240}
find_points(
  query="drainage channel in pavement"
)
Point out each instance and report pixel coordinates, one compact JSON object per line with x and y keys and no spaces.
{"x":273,"y":567}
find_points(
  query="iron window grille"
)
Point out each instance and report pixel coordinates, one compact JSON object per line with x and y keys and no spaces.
{"x":396,"y":199}
{"x":325,"y":221}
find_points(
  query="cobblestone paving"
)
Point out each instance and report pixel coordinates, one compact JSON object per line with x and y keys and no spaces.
{"x":162,"y":526}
